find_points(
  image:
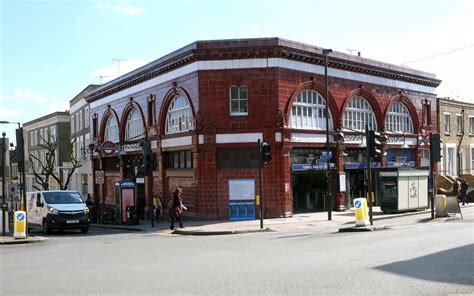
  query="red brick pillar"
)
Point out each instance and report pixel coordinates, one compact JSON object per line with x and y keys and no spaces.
{"x":287,"y":204}
{"x":339,"y":197}
{"x":417,"y":156}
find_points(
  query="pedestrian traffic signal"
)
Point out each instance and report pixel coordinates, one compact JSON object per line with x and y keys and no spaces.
{"x":374,"y":143}
{"x":265,"y":150}
{"x":435,"y":147}
{"x":148,"y":158}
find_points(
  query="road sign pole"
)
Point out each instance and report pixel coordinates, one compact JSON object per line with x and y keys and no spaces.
{"x":260,"y":181}
{"x":369,"y":173}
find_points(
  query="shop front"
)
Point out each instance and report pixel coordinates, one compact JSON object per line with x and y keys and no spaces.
{"x":355,"y":166}
{"x":309,"y":181}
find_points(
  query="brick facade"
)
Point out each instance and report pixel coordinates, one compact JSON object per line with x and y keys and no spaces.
{"x":460,"y":139}
{"x":274,"y":71}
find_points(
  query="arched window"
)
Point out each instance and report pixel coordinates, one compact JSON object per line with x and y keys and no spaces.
{"x":359,"y":113}
{"x":399,"y":119}
{"x":134,"y":128}
{"x":111,"y":130}
{"x":180,"y":116}
{"x":308,"y":111}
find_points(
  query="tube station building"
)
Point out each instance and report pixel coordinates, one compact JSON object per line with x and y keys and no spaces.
{"x":204,"y":107}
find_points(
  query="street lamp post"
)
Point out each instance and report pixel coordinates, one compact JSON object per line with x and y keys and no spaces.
{"x":3,"y":183}
{"x":21,"y":161}
{"x":328,"y":169}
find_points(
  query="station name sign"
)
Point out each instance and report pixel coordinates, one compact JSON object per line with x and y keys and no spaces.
{"x":311,"y":167}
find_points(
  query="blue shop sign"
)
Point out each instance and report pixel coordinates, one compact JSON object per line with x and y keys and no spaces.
{"x":311,"y":167}
{"x":360,"y":165}
{"x":394,"y":164}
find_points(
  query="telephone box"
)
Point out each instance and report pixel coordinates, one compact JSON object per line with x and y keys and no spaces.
{"x":125,"y":196}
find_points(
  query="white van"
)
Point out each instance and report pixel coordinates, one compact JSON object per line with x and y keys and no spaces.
{"x":57,"y":209}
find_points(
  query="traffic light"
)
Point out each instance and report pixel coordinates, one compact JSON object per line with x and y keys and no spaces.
{"x":265,"y":150}
{"x":19,"y":144}
{"x":435,"y":147}
{"x":374,"y":143}
{"x":148,"y":158}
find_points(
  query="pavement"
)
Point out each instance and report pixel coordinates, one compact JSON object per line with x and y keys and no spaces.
{"x":340,"y":222}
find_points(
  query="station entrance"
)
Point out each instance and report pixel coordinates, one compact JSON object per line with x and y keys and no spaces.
{"x":309,"y":183}
{"x":310,"y":190}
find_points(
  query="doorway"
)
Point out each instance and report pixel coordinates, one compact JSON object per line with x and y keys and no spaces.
{"x":309,"y":191}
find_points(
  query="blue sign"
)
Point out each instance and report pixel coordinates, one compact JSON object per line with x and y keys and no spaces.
{"x":394,"y":164}
{"x":361,"y":165}
{"x":325,"y":156}
{"x":312,"y":167}
{"x":20,"y":216}
{"x":357,"y":204}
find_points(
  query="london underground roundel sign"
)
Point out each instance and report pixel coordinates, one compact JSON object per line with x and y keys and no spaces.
{"x":108,"y":148}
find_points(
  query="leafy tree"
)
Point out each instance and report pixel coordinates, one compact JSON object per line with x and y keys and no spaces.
{"x":46,"y":167}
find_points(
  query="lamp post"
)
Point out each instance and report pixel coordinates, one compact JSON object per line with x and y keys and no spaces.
{"x":328,"y":169}
{"x":20,"y":144}
{"x":3,"y":183}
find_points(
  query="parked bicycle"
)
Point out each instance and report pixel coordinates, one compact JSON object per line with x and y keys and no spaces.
{"x":107,"y":216}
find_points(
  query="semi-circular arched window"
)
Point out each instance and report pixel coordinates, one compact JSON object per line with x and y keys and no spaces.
{"x":359,"y":113}
{"x":308,"y":111}
{"x":180,"y":116}
{"x":399,"y":119}
{"x":111,"y":130}
{"x":134,"y":128}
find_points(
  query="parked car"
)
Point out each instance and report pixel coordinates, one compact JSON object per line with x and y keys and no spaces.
{"x":57,"y":209}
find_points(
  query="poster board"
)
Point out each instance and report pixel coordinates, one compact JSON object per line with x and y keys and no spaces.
{"x":242,"y":189}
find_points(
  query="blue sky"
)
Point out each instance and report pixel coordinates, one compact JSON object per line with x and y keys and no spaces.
{"x":51,"y":50}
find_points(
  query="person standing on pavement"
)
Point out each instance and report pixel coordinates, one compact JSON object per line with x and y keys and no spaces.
{"x":91,"y":206}
{"x":177,"y":208}
{"x":158,"y":207}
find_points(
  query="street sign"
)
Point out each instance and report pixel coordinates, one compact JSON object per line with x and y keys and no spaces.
{"x":325,"y":156}
{"x":99,"y":177}
{"x":357,"y":204}
{"x":13,"y":189}
{"x":108,"y":148}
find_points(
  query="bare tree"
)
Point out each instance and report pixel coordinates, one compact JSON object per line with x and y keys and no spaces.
{"x":45,"y":168}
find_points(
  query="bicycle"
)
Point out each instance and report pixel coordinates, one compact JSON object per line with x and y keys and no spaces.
{"x":107,"y":216}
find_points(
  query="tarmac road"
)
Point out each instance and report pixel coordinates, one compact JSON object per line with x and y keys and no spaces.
{"x":421,"y":257}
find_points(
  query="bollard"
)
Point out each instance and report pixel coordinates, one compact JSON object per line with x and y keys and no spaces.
{"x":361,"y":212}
{"x":19,"y":224}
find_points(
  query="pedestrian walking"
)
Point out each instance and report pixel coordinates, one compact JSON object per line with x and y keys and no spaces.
{"x":177,"y":208}
{"x":464,"y":192}
{"x":158,"y":208}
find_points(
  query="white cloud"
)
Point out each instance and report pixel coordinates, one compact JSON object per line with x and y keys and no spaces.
{"x":9,"y":113}
{"x":108,"y":73}
{"x":121,"y":8}
{"x":29,"y":95}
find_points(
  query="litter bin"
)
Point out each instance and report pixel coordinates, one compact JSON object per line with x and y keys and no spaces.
{"x":132,"y":215}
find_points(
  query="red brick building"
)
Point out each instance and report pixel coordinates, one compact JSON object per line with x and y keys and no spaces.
{"x":204,"y":107}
